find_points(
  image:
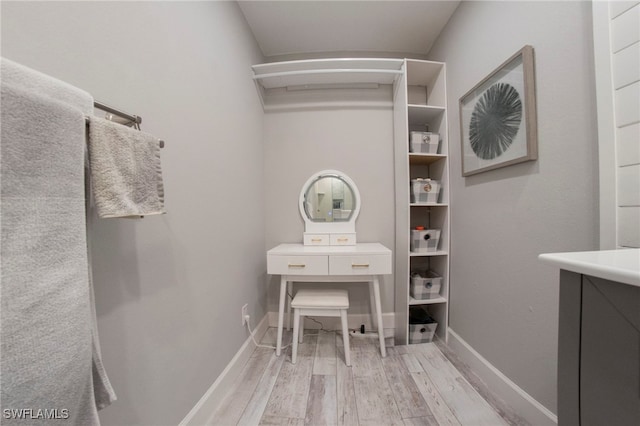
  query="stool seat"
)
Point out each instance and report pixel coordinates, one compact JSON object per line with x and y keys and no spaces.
{"x":316,"y":298}
{"x":322,"y":303}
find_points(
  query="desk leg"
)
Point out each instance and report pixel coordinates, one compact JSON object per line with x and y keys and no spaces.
{"x":376,"y":293}
{"x":372,"y":307}
{"x":289,"y":299}
{"x":283,"y":293}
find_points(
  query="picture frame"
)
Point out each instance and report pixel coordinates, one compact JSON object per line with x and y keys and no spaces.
{"x":498,"y":123}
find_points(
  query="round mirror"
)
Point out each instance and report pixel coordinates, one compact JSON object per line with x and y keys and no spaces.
{"x":329,"y":202}
{"x":329,"y":198}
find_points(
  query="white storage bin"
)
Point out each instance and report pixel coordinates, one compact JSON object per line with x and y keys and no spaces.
{"x":425,"y":285}
{"x":424,"y":240}
{"x":424,"y":142}
{"x":422,"y":333}
{"x":425,"y":190}
{"x":422,"y":328}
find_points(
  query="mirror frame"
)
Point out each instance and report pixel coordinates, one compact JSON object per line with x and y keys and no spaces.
{"x":330,"y":227}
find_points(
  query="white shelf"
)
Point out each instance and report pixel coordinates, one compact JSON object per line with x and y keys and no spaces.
{"x":424,"y":113}
{"x":429,"y":204}
{"x":327,"y":73}
{"x":413,"y":301}
{"x":431,"y":253}
{"x":419,"y":158}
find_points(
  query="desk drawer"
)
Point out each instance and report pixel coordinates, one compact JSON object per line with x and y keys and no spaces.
{"x":316,"y":239}
{"x":360,"y":265}
{"x":298,"y":265}
{"x":347,"y":239}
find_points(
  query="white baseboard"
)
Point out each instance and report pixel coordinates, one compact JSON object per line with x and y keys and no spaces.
{"x":353,"y":321}
{"x":520,"y":401}
{"x":201,"y":413}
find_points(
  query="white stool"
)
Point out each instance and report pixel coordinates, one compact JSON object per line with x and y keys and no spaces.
{"x":320,"y":303}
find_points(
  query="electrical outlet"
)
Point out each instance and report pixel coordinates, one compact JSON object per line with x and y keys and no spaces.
{"x":245,"y":312}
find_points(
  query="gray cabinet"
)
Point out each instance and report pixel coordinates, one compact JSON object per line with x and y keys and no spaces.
{"x":599,"y":352}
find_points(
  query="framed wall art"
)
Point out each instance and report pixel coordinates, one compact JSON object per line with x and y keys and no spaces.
{"x":498,"y":117}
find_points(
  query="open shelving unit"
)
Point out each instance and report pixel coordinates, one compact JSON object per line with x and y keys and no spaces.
{"x":429,"y":78}
{"x":296,"y":84}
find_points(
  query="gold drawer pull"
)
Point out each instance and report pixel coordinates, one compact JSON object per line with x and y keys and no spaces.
{"x":342,"y":240}
{"x":316,"y":240}
{"x":359,"y":265}
{"x":297,"y":265}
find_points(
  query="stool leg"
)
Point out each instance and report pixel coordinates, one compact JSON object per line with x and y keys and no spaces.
{"x":345,"y":336}
{"x":296,"y":324}
{"x":301,"y":333}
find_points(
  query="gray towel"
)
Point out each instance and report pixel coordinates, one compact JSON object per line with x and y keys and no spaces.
{"x":125,"y":170}
{"x":36,"y":82}
{"x":46,"y":339}
{"x":36,"y":163}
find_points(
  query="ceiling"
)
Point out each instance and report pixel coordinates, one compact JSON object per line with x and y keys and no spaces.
{"x":308,"y":28}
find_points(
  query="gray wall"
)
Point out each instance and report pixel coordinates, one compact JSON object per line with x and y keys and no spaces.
{"x":356,"y":140}
{"x":168,"y":289}
{"x":503,"y":301}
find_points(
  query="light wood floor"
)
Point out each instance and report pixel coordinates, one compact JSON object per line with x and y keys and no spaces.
{"x":413,"y":385}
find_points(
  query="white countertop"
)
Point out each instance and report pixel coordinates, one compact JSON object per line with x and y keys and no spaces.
{"x":300,"y":249}
{"x":615,"y":265}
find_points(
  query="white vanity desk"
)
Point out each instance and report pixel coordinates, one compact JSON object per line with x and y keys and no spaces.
{"x":363,"y":262}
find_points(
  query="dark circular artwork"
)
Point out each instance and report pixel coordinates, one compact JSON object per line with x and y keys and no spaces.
{"x":495,"y":121}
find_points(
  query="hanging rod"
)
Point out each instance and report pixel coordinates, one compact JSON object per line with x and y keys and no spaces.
{"x":134,"y":120}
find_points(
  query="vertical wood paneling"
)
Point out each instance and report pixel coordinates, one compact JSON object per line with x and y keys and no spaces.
{"x":618,"y":7}
{"x":626,"y":66}
{"x":627,"y":105}
{"x":628,"y":145}
{"x":629,"y":226}
{"x":606,"y":125}
{"x":624,"y":29}
{"x":629,"y":186}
